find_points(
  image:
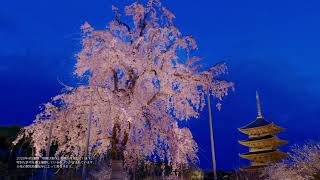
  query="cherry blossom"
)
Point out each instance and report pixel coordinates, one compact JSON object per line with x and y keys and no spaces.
{"x":302,"y":164}
{"x":142,"y":79}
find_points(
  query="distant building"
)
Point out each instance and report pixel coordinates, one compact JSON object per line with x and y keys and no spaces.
{"x":262,"y":141}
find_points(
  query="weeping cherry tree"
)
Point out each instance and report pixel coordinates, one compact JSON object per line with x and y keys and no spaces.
{"x":142,"y":79}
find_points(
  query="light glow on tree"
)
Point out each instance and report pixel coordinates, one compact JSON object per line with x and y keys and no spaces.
{"x":142,"y":80}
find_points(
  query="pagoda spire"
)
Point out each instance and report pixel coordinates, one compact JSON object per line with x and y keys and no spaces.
{"x":258,"y":105}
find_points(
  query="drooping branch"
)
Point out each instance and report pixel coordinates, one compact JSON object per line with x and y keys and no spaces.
{"x":136,"y":76}
{"x":121,"y":23}
{"x":153,"y":98}
{"x":143,"y":25}
{"x":115,"y":80}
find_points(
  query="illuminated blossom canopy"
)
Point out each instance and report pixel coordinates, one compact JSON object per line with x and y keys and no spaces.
{"x":302,"y":164}
{"x":142,"y":78}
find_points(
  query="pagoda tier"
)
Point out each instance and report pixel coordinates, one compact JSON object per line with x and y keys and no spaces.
{"x":260,"y":127}
{"x":261,"y":158}
{"x":262,"y":142}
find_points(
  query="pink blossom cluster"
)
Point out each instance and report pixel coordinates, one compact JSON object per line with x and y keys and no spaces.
{"x":141,"y":75}
{"x":302,"y":164}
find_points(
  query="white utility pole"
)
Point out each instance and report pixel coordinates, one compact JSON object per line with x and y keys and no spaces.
{"x":214,"y":167}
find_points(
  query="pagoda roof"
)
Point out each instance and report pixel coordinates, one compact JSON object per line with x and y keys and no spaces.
{"x":259,"y":122}
{"x":258,"y":138}
{"x":265,"y":155}
{"x":260,"y":127}
{"x":259,"y":152}
{"x":263,"y":141}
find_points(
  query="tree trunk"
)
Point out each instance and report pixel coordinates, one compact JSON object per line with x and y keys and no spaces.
{"x":117,"y":148}
{"x":117,"y":170}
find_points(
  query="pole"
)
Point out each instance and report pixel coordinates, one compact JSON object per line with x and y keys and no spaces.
{"x":87,"y":143}
{"x":214,"y":168}
{"x":48,"y":145}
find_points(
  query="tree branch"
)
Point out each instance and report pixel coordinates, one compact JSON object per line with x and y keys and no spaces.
{"x":127,"y":26}
{"x":115,"y":80}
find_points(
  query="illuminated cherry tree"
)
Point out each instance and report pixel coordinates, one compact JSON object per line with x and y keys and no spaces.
{"x":141,"y":80}
{"x":302,"y":164}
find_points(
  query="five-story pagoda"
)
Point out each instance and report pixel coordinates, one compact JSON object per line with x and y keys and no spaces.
{"x":262,"y":140}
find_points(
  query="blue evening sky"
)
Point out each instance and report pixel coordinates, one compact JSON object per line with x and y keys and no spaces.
{"x":272,"y":46}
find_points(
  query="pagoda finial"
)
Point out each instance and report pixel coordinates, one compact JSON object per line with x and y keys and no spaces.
{"x":258,"y":105}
